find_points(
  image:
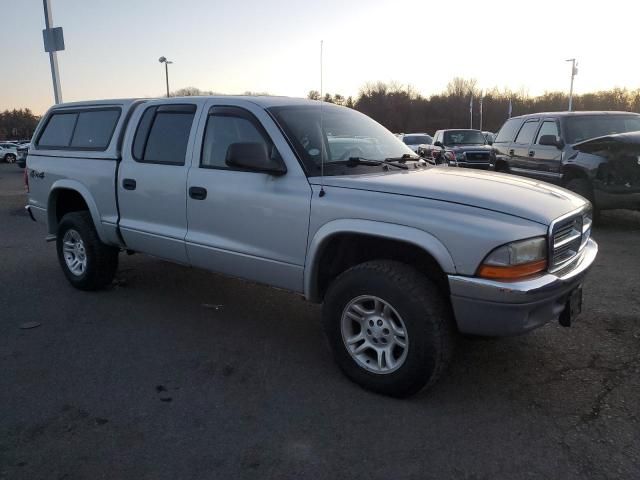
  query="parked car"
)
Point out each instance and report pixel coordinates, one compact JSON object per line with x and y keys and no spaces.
{"x":543,"y":146}
{"x":21,"y":154}
{"x":460,"y":148}
{"x":415,"y":140}
{"x":8,"y":152}
{"x":401,"y":255}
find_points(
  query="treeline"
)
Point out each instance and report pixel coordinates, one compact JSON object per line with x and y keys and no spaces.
{"x":403,"y":109}
{"x":17,"y":124}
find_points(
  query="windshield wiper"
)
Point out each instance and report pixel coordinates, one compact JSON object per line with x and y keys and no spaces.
{"x":367,"y":161}
{"x":403,"y":158}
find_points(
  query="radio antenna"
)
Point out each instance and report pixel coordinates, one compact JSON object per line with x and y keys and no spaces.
{"x":322,"y":193}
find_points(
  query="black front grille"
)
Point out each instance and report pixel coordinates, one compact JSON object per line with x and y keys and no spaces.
{"x":480,"y":157}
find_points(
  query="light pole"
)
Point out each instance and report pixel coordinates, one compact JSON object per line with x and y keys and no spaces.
{"x":166,"y":71}
{"x":53,"y":43}
{"x":574,"y":72}
{"x":481,"y":100}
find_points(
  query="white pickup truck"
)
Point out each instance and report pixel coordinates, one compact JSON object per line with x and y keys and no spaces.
{"x":324,"y":202}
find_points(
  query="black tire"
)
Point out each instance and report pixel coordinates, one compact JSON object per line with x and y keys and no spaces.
{"x":424,"y":311}
{"x":583,"y":187}
{"x":10,"y":158}
{"x":101,"y":259}
{"x":501,"y":167}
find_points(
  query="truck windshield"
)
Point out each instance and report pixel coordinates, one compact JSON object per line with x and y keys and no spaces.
{"x":345,"y":133}
{"x":464,"y":137}
{"x":584,"y":127}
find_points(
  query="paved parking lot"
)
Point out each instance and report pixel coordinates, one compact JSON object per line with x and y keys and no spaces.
{"x":176,"y":373}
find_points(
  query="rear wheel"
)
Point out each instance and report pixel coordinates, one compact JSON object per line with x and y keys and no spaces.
{"x":87,"y":263}
{"x":389,"y":327}
{"x":10,"y":158}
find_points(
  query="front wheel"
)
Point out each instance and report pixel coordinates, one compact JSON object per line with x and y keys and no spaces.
{"x":10,"y":158}
{"x":87,"y":263}
{"x":389,"y":327}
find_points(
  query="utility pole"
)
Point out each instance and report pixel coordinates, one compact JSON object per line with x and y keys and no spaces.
{"x":574,"y":72}
{"x":53,"y":42}
{"x":481,"y":99}
{"x":471,"y":111}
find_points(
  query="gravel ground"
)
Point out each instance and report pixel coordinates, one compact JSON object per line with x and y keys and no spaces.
{"x":176,"y":373}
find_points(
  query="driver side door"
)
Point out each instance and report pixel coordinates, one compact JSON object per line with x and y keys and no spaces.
{"x":244,"y":223}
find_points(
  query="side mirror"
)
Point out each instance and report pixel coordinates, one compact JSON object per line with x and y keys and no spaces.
{"x":254,"y":157}
{"x":489,"y":141}
{"x":551,"y":141}
{"x":438,"y":144}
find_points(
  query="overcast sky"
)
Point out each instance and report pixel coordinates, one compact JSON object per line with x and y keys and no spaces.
{"x":112,"y":47}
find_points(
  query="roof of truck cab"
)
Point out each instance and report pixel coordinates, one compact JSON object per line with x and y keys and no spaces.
{"x":264,"y":101}
{"x":575,"y":114}
{"x":87,"y":103}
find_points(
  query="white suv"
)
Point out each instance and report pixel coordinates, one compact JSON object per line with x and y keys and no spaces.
{"x":8,"y":152}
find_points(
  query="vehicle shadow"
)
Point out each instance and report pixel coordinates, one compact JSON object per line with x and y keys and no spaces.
{"x":618,"y":220}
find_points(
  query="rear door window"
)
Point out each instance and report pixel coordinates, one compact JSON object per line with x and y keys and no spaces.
{"x":163,"y":134}
{"x":527,"y":132}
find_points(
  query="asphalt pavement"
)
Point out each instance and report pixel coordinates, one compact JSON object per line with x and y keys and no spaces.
{"x":177,"y":373}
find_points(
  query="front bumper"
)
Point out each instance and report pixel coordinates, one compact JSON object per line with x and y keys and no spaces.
{"x":478,"y":165}
{"x":485,"y":307}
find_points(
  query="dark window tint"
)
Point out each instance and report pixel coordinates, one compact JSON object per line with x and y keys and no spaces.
{"x":94,"y":129}
{"x":142,"y":132}
{"x":168,"y":137}
{"x":225,"y":129}
{"x":549,"y":127}
{"x":526,"y":133}
{"x":58,"y":131}
{"x":508,"y":131}
{"x":417,"y":139}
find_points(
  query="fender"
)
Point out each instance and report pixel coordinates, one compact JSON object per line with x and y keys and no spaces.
{"x":68,"y":184}
{"x":392,"y":231}
{"x":584,"y":165}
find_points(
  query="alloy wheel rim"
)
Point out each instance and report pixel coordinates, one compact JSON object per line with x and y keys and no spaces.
{"x":75,"y":255}
{"x":374,"y":334}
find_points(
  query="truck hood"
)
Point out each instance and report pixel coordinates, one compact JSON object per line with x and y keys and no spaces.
{"x":529,"y":199}
{"x":470,"y":148}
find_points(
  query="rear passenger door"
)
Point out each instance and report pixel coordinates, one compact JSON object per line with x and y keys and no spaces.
{"x":521,"y":152}
{"x":503,"y":143}
{"x":546,"y":160}
{"x":152,"y":180}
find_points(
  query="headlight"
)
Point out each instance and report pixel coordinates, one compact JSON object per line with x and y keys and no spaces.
{"x":515,"y":260}
{"x":460,"y":157}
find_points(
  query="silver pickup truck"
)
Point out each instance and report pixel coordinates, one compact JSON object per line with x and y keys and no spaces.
{"x":319,"y":200}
